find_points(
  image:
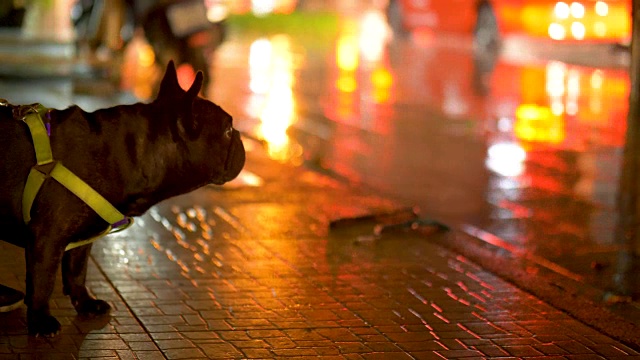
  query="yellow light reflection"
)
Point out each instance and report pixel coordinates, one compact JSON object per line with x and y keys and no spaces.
{"x":535,"y":123}
{"x":347,"y":61}
{"x":346,"y":82}
{"x":348,"y":54}
{"x":600,"y":29}
{"x":363,"y":82}
{"x":271,"y":67}
{"x":597,"y":20}
{"x":139,"y":72}
{"x":382,"y":80}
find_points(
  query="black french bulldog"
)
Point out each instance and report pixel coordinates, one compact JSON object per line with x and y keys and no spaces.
{"x":133,"y":155}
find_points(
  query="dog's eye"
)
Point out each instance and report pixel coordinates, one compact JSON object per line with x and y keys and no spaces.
{"x":228,"y":132}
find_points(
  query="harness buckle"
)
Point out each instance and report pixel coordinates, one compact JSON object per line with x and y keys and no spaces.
{"x":46,"y":169}
{"x":21,"y":111}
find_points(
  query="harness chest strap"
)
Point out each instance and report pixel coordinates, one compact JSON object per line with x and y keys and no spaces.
{"x":47,"y":167}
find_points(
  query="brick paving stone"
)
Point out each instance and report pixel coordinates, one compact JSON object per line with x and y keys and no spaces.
{"x":174,"y":344}
{"x":200,"y":335}
{"x":249,"y":344}
{"x":454,"y":354}
{"x":351,"y":347}
{"x":551,"y":349}
{"x":142,"y":345}
{"x":385,"y":356}
{"x":427,"y":355}
{"x":220,"y":350}
{"x":281,"y":343}
{"x":294,"y":352}
{"x":328,"y":351}
{"x":257,"y":353}
{"x":608,"y":351}
{"x":584,"y":357}
{"x":218,"y":325}
{"x":422,"y":346}
{"x":149,"y":355}
{"x":184,"y":353}
{"x":574,"y":347}
{"x":522,"y":351}
{"x":382,"y":347}
{"x":453,"y":344}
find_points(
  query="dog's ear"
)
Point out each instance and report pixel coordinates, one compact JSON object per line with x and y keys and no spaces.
{"x":169,"y":84}
{"x":195,"y":88}
{"x":191,"y":123}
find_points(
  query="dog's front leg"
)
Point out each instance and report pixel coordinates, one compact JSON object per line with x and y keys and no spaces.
{"x":42,"y":258}
{"x":74,"y":275}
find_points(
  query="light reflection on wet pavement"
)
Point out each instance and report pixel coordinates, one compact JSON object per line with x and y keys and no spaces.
{"x":527,"y":151}
{"x":255,"y":272}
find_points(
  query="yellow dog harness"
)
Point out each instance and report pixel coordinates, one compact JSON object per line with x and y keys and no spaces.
{"x":47,"y":167}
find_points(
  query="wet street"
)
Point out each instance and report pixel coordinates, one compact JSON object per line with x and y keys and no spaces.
{"x":316,"y":250}
{"x":525,"y":148}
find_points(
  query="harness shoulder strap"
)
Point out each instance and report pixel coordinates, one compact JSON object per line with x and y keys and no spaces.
{"x":47,"y":167}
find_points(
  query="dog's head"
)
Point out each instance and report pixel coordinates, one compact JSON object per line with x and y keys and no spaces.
{"x":203,"y":131}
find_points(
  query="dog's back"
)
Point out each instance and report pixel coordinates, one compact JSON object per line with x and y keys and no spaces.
{"x":16,"y":159}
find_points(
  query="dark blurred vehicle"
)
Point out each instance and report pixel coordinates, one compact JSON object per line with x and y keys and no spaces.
{"x":11,"y":14}
{"x":490,"y":20}
{"x":186,"y":31}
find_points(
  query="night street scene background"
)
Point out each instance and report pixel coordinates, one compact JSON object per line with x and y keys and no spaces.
{"x":424,"y":180}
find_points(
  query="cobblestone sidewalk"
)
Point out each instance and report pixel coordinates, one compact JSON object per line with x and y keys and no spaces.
{"x":253,"y":270}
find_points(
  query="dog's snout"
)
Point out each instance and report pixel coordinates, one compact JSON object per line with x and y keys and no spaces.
{"x":235,"y":157}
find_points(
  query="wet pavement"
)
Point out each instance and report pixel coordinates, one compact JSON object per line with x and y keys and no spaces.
{"x":255,"y":269}
{"x":521,"y":154}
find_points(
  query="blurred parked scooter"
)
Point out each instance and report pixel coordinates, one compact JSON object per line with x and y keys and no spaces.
{"x":186,"y":31}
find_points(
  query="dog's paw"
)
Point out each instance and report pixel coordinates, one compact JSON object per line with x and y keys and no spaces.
{"x":92,"y":307}
{"x":43,"y":325}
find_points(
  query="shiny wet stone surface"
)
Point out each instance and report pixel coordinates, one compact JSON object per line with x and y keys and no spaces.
{"x":255,"y":272}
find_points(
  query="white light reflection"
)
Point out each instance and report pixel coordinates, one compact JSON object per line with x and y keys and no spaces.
{"x":602,"y":9}
{"x":217,"y":11}
{"x":263,"y":7}
{"x":505,"y":124}
{"x":562,"y":10}
{"x":595,"y":98}
{"x":259,"y":66}
{"x":374,"y":33}
{"x":506,"y":158}
{"x":557,"y":31}
{"x":577,"y":10}
{"x":556,"y":72}
{"x":578,"y":30}
{"x":573,"y":91}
